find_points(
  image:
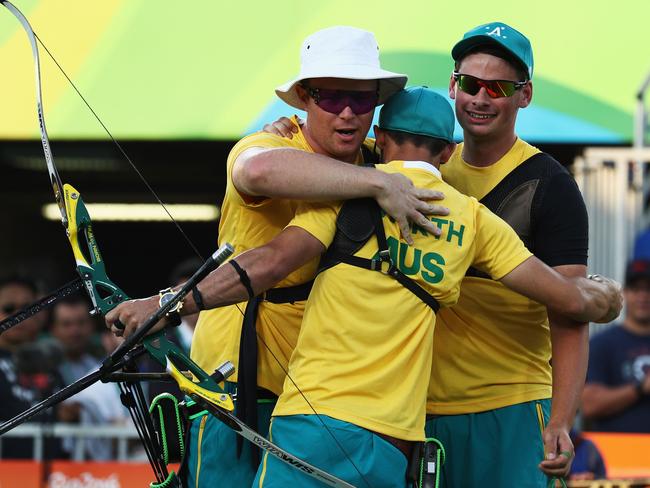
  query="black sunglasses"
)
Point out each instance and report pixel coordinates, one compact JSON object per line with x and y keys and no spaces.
{"x":494,"y":88}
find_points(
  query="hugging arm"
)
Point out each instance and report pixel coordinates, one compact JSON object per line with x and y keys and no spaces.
{"x":299,"y":175}
{"x":265,"y":266}
{"x":593,"y":299}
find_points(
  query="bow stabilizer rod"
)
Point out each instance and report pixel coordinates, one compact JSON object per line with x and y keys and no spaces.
{"x":128,"y":350}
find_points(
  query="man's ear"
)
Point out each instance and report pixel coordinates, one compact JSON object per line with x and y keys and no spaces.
{"x":380,"y":137}
{"x":452,"y":87}
{"x":303,"y":95}
{"x":526,"y":95}
{"x":446,"y":153}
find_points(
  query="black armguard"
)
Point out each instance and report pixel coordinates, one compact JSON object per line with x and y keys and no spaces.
{"x":243,"y":277}
{"x":198,"y":298}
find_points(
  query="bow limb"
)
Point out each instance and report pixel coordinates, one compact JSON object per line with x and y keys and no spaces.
{"x":74,"y":216}
{"x":212,"y":402}
{"x":55,"y":180}
{"x":104,"y":294}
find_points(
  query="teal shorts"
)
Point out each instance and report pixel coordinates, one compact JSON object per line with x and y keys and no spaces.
{"x":377,"y":463}
{"x":500,"y":447}
{"x":212,"y":452}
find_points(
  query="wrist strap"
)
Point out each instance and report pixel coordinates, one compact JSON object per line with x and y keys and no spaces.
{"x":198,"y":298}
{"x":243,"y":277}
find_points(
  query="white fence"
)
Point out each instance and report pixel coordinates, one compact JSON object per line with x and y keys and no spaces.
{"x":614,"y":183}
{"x":122,"y":435}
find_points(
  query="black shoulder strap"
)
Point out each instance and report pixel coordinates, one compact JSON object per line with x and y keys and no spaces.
{"x":516,"y":197}
{"x":370,"y":157}
{"x":355,"y":224}
{"x":349,"y":238}
{"x":537,"y":167}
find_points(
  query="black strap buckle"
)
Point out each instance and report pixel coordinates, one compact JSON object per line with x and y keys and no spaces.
{"x":384,"y":264}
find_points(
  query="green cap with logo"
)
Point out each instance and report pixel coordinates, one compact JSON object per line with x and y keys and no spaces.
{"x":500,"y":35}
{"x":419,"y":110}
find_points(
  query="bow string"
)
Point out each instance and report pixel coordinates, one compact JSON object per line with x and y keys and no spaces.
{"x":105,"y":295}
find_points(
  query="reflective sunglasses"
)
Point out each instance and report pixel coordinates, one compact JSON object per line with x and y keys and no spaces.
{"x":335,"y":101}
{"x":494,"y":88}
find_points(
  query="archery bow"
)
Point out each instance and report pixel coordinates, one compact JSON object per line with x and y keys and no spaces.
{"x":105,"y":296}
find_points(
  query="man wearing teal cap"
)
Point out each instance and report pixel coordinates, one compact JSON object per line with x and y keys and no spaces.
{"x":364,"y":352}
{"x":492,"y":382}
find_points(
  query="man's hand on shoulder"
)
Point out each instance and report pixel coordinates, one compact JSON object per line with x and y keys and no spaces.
{"x":282,"y":127}
{"x":394,"y":193}
{"x":408,"y":204}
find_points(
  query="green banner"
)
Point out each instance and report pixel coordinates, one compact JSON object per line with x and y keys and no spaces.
{"x":207,"y":70}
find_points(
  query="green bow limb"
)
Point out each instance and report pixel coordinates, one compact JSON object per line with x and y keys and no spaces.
{"x":105,"y":296}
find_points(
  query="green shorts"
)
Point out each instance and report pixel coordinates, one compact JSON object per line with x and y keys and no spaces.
{"x":500,"y":447}
{"x":212,"y":452}
{"x":368,"y":459}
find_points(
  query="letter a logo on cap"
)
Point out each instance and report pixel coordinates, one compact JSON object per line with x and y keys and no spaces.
{"x":496,"y":32}
{"x":508,"y":37}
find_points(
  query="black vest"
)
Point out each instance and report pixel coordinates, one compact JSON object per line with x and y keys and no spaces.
{"x":518,"y":197}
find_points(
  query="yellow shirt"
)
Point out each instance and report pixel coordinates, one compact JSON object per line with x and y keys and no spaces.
{"x":365,"y":347}
{"x":247,"y":223}
{"x":492,"y":348}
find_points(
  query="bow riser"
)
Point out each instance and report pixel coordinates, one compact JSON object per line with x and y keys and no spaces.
{"x":104,"y":294}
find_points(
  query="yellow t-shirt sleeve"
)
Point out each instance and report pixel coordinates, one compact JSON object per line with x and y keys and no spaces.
{"x":317,"y":218}
{"x":499,"y":249}
{"x":261,"y":140}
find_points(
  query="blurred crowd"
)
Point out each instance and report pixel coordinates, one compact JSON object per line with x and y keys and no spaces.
{"x":57,"y":347}
{"x":616,"y":396}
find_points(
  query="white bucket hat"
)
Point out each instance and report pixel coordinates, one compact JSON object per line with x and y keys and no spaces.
{"x":341,"y":52}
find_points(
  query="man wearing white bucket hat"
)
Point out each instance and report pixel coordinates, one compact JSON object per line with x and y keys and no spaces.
{"x":339,"y":85}
{"x":365,"y":329}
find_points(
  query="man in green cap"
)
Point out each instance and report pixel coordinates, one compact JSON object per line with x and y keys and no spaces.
{"x":492,"y":381}
{"x":364,"y":352}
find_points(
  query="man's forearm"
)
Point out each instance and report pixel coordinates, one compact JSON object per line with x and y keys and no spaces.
{"x":570,"y":353}
{"x":294,"y":174}
{"x":264,"y":266}
{"x":220,"y":288}
{"x":565,"y":291}
{"x":299,"y":175}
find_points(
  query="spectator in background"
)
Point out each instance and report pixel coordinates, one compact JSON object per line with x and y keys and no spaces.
{"x":19,"y":390}
{"x":642,"y":246}
{"x":588,"y":463}
{"x":616,"y":397}
{"x":74,"y":328}
{"x":97,"y":405}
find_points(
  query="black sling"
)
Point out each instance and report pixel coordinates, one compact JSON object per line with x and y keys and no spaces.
{"x":517,"y":197}
{"x":247,"y":389}
{"x":357,"y":221}
{"x":246,"y":399}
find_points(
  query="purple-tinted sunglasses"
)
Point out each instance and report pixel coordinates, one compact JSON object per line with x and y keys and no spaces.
{"x":335,"y":101}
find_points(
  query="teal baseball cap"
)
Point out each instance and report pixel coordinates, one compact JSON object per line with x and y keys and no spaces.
{"x":500,"y":35}
{"x":419,"y":110}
